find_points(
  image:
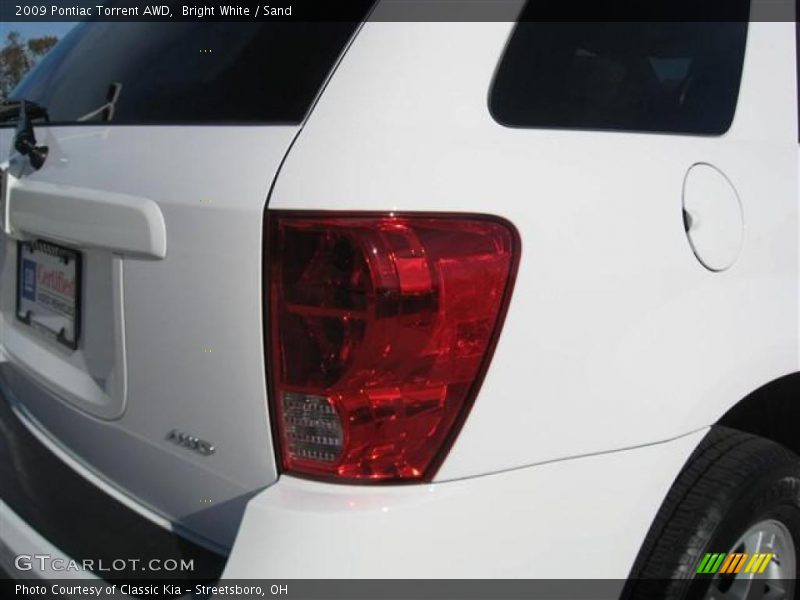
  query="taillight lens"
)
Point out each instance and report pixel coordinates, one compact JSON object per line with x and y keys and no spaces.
{"x":381,"y":328}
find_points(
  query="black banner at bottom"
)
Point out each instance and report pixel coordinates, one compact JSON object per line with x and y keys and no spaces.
{"x":350,"y":589}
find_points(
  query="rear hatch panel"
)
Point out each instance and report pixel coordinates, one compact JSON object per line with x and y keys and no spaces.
{"x":166,"y":344}
{"x":164,"y":140}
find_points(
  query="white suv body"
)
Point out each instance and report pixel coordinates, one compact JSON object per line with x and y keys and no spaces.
{"x":619,"y":349}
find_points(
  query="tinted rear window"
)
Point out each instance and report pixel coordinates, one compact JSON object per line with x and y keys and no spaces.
{"x":656,"y":77}
{"x":186,"y":72}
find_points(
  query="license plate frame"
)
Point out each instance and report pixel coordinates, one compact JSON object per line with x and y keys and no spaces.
{"x":5,"y":190}
{"x":58,"y":317}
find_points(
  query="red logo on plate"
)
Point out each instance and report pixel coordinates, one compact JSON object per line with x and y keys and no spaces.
{"x":55,"y":281}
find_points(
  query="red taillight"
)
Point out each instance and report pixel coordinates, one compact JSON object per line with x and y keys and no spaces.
{"x":380,"y":330}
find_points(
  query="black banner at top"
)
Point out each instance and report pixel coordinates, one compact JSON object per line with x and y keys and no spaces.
{"x":397,"y":10}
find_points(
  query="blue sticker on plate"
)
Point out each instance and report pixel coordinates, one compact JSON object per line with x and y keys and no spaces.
{"x":29,"y":280}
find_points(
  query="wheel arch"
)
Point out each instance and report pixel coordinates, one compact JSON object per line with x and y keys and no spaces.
{"x":772,"y":411}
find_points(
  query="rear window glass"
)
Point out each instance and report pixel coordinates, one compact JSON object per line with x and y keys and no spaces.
{"x":174,"y":73}
{"x":655,"y":77}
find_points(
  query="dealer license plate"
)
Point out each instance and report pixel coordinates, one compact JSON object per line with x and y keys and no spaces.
{"x":48,"y":290}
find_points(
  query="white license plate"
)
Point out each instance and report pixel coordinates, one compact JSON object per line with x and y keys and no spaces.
{"x":48,"y":290}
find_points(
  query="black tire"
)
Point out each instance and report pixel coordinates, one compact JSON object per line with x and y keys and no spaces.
{"x":732,"y":481}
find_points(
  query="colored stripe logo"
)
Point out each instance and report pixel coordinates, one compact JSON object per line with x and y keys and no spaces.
{"x":717,"y":562}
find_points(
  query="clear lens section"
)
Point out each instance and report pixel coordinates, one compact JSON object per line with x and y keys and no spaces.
{"x":381,"y":329}
{"x":312,"y":428}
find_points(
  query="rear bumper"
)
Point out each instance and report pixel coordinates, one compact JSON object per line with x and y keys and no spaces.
{"x":578,"y":518}
{"x":18,"y":540}
{"x":47,"y":509}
